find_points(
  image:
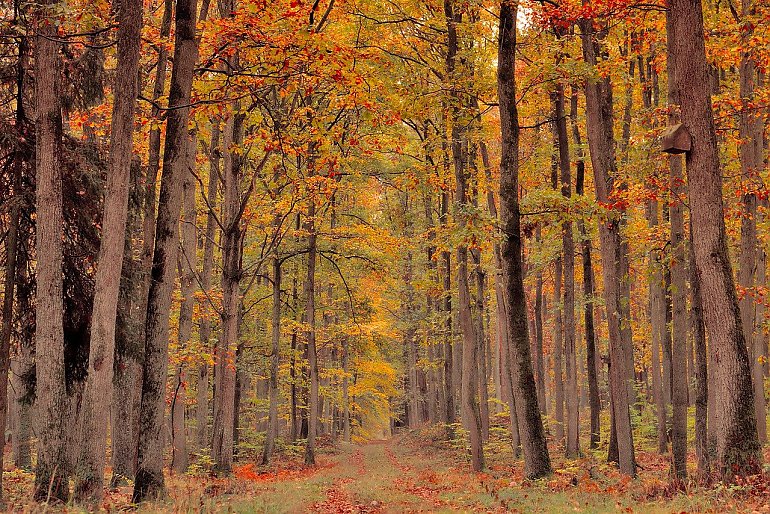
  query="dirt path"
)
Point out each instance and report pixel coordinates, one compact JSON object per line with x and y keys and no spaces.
{"x":379,"y":477}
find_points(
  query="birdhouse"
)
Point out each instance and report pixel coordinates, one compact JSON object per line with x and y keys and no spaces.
{"x":676,"y":139}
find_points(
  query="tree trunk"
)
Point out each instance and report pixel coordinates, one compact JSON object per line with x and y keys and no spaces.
{"x":701,"y":368}
{"x":537,"y":462}
{"x":232,"y":245}
{"x":678,"y":286}
{"x":557,"y":355}
{"x":187,"y":270}
{"x":568,"y":306}
{"x":446,"y":259}
{"x":51,"y":480}
{"x":149,"y":482}
{"x":309,"y":291}
{"x":275,"y":360}
{"x":657,"y":320}
{"x":204,"y":332}
{"x":179,"y":457}
{"x":738,"y":448}
{"x":750,"y":151}
{"x":601,"y":144}
{"x":588,"y":288}
{"x":6,"y":328}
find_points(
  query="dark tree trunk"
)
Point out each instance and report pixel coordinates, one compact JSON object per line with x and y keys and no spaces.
{"x":149,"y":482}
{"x":537,"y":462}
{"x":588,"y":288}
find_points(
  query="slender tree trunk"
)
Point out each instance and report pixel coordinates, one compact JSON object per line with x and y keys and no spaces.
{"x":204,"y":332}
{"x":539,"y":365}
{"x":678,"y":287}
{"x":558,"y":352}
{"x":679,"y":325}
{"x":588,"y":287}
{"x":750,"y":151}
{"x":6,"y":328}
{"x":448,"y":332}
{"x":568,"y":259}
{"x":701,"y":368}
{"x":537,"y":462}
{"x":311,"y":324}
{"x":657,"y":318}
{"x":179,"y":457}
{"x":275,"y":360}
{"x":601,"y":144}
{"x":232,"y":244}
{"x":149,"y":482}
{"x":51,"y":480}
{"x":737,"y":440}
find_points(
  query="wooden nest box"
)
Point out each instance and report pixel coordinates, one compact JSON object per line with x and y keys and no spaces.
{"x":676,"y":139}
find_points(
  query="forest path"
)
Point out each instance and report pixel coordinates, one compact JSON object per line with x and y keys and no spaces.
{"x":378,"y":477}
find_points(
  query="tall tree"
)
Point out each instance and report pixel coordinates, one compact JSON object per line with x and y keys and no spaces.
{"x":97,"y":393}
{"x":149,"y":482}
{"x":537,"y":462}
{"x":601,"y":144}
{"x":737,"y":439}
{"x":51,"y":473}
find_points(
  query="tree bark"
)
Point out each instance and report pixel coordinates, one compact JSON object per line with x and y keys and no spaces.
{"x":309,"y":290}
{"x":657,"y":320}
{"x":601,"y":144}
{"x":588,"y":287}
{"x":6,"y":328}
{"x":701,"y":368}
{"x":678,"y":285}
{"x":51,"y":474}
{"x":750,"y":152}
{"x":149,"y":482}
{"x":537,"y":462}
{"x":204,"y":332}
{"x":568,"y":305}
{"x":232,"y":247}
{"x":275,"y":360}
{"x":738,"y":448}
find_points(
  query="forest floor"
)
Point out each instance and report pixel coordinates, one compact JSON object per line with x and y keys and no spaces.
{"x":415,"y":472}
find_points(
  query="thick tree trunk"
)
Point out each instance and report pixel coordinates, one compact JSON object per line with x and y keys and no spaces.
{"x":737,"y":441}
{"x":149,"y":482}
{"x":601,"y":144}
{"x":51,"y":480}
{"x":97,"y":393}
{"x":537,"y":462}
{"x":187,"y":270}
